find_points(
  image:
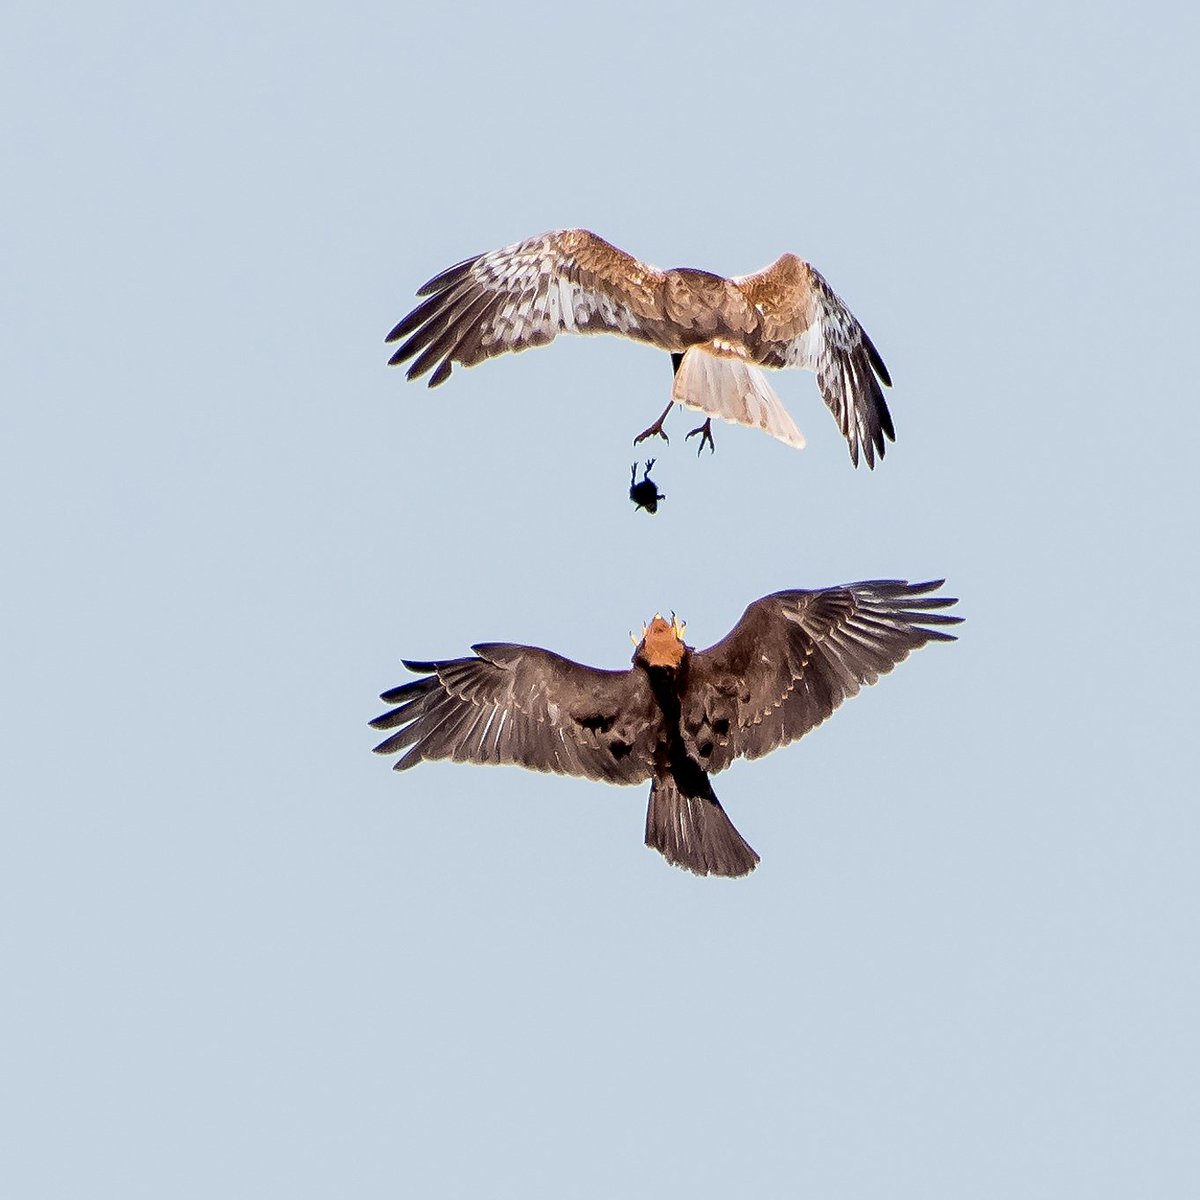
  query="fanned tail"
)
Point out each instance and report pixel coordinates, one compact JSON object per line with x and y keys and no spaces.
{"x":694,"y":832}
{"x":728,"y":387}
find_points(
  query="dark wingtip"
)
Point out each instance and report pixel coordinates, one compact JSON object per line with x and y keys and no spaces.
{"x":928,"y":622}
{"x":939,"y":618}
{"x":443,"y":280}
{"x":937,"y":635}
{"x":877,"y":361}
{"x":924,"y":590}
{"x":419,"y":668}
{"x":885,"y":419}
{"x":881,"y":429}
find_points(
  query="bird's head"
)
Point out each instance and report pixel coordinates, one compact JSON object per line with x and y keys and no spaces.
{"x":662,"y":643}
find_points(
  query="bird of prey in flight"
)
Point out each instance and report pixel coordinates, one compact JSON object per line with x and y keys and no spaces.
{"x":718,"y":331}
{"x":678,"y":715}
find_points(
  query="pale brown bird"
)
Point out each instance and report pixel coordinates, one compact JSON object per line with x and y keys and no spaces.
{"x":718,"y":331}
{"x":678,"y":715}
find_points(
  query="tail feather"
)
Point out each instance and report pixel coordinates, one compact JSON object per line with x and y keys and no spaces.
{"x":694,"y":832}
{"x":734,"y":390}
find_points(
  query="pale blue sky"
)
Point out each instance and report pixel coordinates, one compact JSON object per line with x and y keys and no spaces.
{"x":243,"y":958}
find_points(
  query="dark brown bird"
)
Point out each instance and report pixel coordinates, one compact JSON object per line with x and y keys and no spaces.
{"x":678,"y":716}
{"x":718,"y":331}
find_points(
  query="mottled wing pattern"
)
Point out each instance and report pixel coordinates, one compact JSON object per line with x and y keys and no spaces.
{"x":528,"y":707}
{"x":569,"y":281}
{"x":795,"y":656}
{"x":806,"y":324}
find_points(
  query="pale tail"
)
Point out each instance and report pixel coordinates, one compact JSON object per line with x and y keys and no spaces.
{"x":732,"y":389}
{"x":695,"y":833}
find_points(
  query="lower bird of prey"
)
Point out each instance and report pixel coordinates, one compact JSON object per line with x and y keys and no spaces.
{"x":718,"y":331}
{"x":678,"y":715}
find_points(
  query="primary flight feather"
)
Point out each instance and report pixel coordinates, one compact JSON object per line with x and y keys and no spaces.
{"x":678,"y":715}
{"x":718,"y":331}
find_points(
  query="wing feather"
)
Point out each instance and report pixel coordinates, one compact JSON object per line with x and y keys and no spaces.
{"x":795,"y":656}
{"x":528,"y":707}
{"x":523,"y":295}
{"x":435,"y":339}
{"x":804,"y":323}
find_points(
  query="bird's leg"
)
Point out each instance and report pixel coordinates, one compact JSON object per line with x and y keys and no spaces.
{"x":705,"y":432}
{"x":656,"y":430}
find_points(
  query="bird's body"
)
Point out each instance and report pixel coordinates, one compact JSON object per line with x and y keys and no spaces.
{"x":645,"y":494}
{"x":678,"y":715}
{"x":719,"y":331}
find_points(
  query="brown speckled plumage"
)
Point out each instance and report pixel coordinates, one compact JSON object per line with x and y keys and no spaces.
{"x":571,"y":281}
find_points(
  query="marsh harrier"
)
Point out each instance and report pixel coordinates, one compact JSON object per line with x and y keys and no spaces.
{"x":718,"y":331}
{"x":678,"y":715}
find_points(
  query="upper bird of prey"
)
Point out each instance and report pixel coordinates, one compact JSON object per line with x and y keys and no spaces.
{"x":678,"y":715}
{"x":718,"y":331}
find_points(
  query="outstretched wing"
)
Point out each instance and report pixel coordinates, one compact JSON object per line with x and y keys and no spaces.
{"x":806,"y":324}
{"x":795,"y":656}
{"x":528,"y":707}
{"x":569,"y":281}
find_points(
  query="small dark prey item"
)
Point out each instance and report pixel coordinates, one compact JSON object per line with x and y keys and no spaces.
{"x":645,"y":494}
